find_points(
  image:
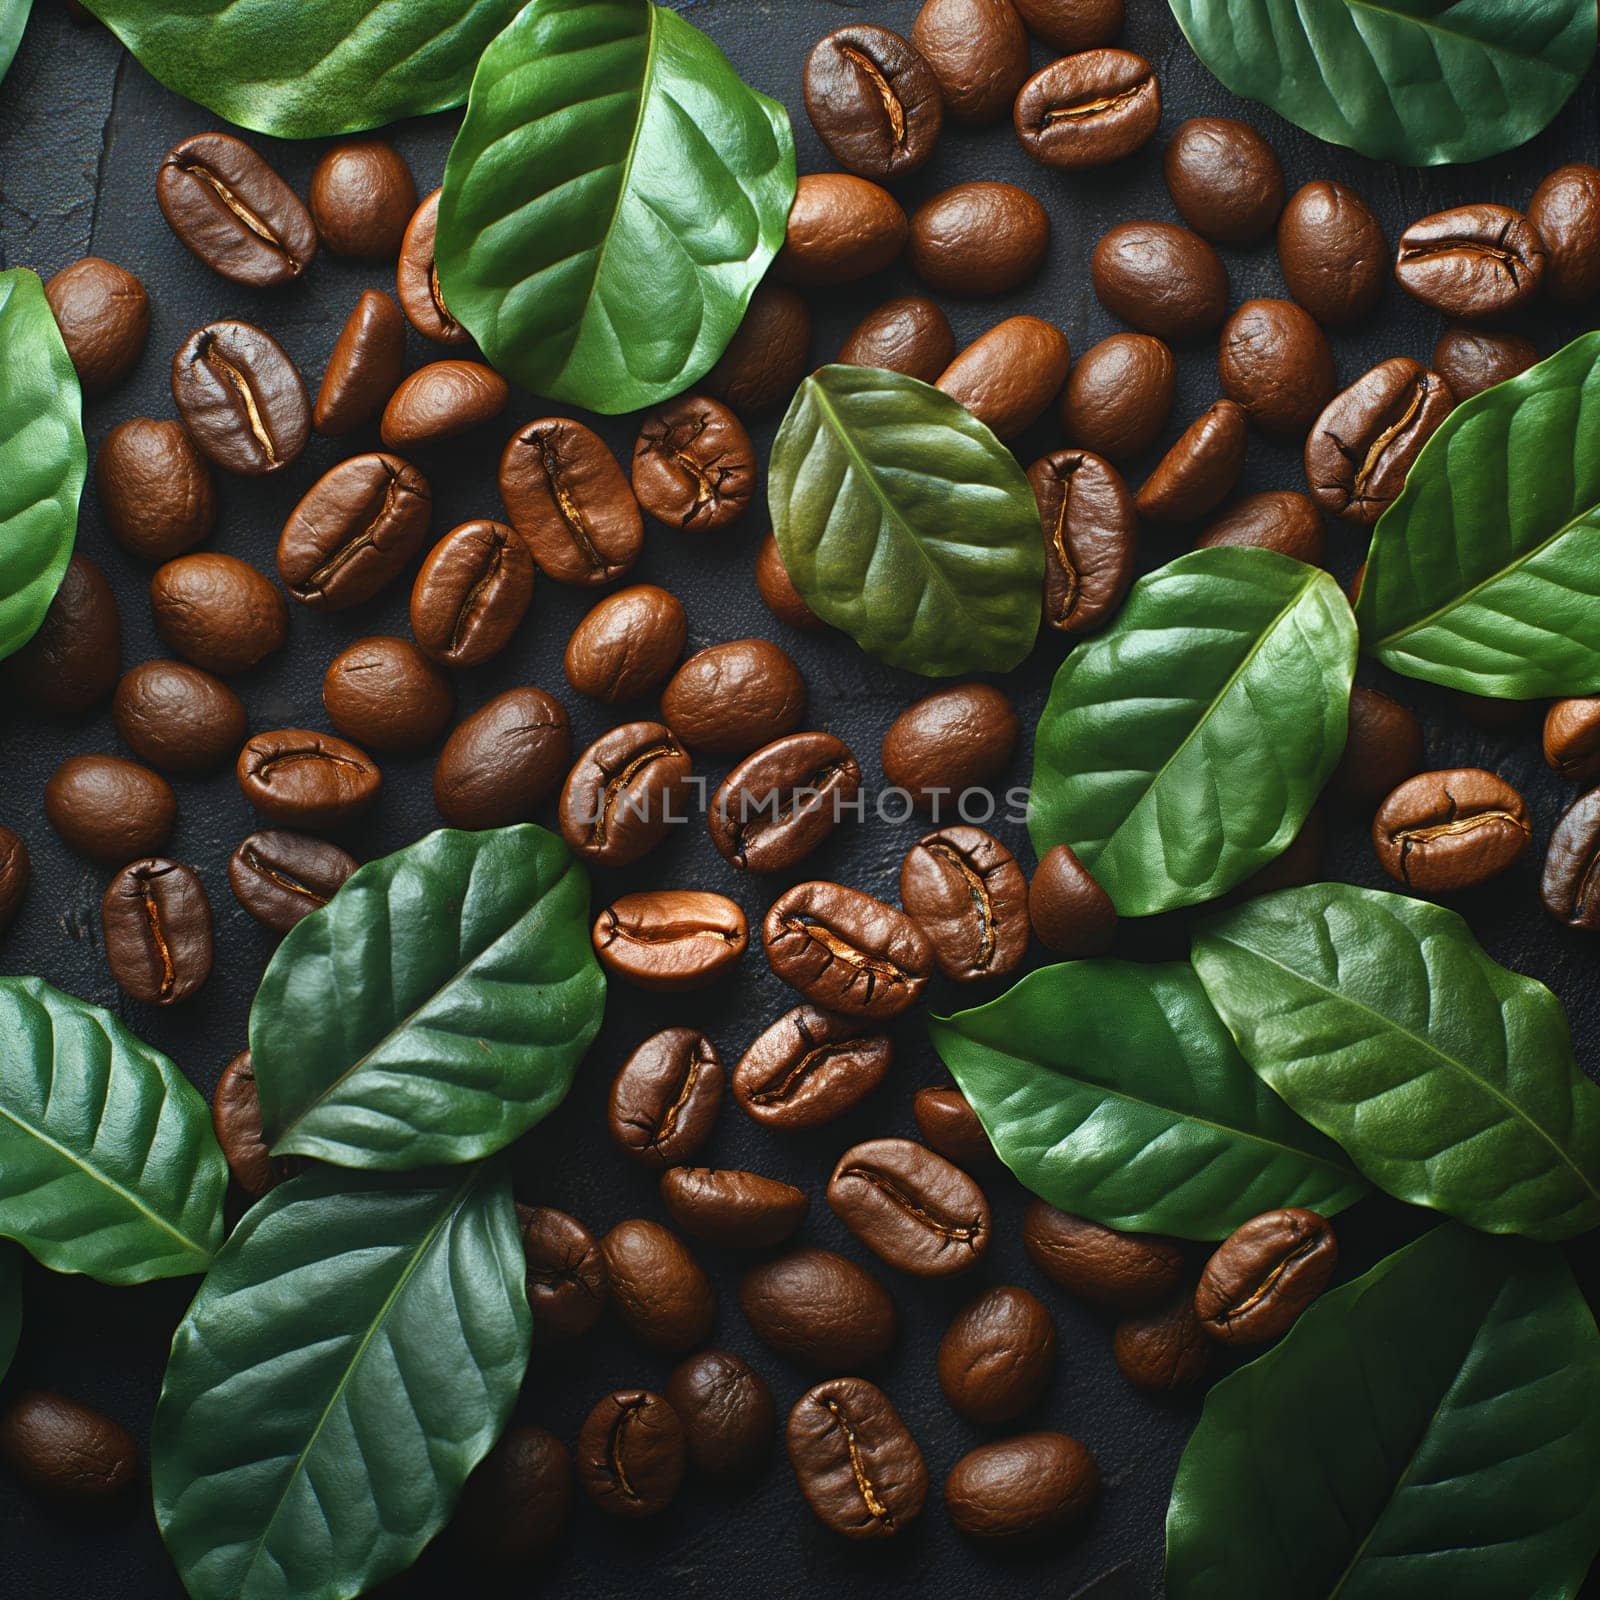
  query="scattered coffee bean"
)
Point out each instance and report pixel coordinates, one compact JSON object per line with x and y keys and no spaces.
{"x":819,"y":1309}
{"x":365,"y":369}
{"x":281,"y":877}
{"x":178,"y":718}
{"x":910,"y":335}
{"x":727,"y":1413}
{"x":518,"y":1500}
{"x":156,"y":921}
{"x":1119,"y":395}
{"x":1384,"y":748}
{"x":911,"y":1207}
{"x":16,"y":871}
{"x":693,"y":465}
{"x":388,"y":696}
{"x":950,"y":741}
{"x":979,"y":239}
{"x":660,"y":1292}
{"x":997,"y":1356}
{"x":568,"y":1285}
{"x":241,"y":398}
{"x":1278,"y":519}
{"x":218,"y":613}
{"x":1571,"y":882}
{"x":844,"y":950}
{"x":968,"y":895}
{"x":855,"y":1460}
{"x":949,"y":1125}
{"x":670,"y":940}
{"x":778,"y":592}
{"x":1201,"y":470}
{"x":874,"y":102}
{"x":1264,"y":1274}
{"x":1276,"y":362}
{"x":1022,"y":1490}
{"x":1088,"y":109}
{"x":1225,"y":180}
{"x":110,"y":810}
{"x":71,"y":663}
{"x":732,"y":698}
{"x":1443,"y":831}
{"x":304,"y":779}
{"x":1008,"y":376}
{"x":472,"y":593}
{"x":1471,"y":360}
{"x":769,"y":355}
{"x":627,"y":644}
{"x":1119,"y":1271}
{"x":779,"y":804}
{"x":442,"y":401}
{"x":236,"y":1117}
{"x":1333,"y":253}
{"x":63,"y":1449}
{"x":979,"y":54}
{"x":1163,"y":1350}
{"x":626,"y":790}
{"x":362,"y":198}
{"x":1572,"y":739}
{"x":840,"y":228}
{"x":1473,"y":261}
{"x":632,"y":1454}
{"x":1565,"y":213}
{"x":155,"y":490}
{"x":1163,"y":279}
{"x":735,"y":1210}
{"x":1071,"y":914}
{"x":503,"y":761}
{"x":1090,"y":531}
{"x":810,"y":1067}
{"x":103,"y":313}
{"x":417,"y":278}
{"x":664,"y":1099}
{"x":1069,"y":25}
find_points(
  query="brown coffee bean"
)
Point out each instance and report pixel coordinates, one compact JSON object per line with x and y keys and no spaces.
{"x":1570,"y":886}
{"x":840,"y":228}
{"x":103,"y":313}
{"x":997,"y":1356}
{"x":1565,"y":212}
{"x":626,"y":790}
{"x":178,"y":718}
{"x":731,"y":698}
{"x":1471,"y":360}
{"x":304,"y":779}
{"x":281,"y":877}
{"x":518,"y":1500}
{"x":778,"y":592}
{"x":844,"y":950}
{"x":1498,"y":716}
{"x":354,"y":531}
{"x":365,"y":368}
{"x":727,"y":1413}
{"x":567,"y":1282}
{"x":155,"y":490}
{"x":1279,"y":519}
{"x":670,"y":940}
{"x":1088,"y":109}
{"x":949,"y":1125}
{"x":1201,"y":470}
{"x":229,"y":208}
{"x":910,"y":335}
{"x":156,"y":921}
{"x":1008,"y":376}
{"x":236,"y":1117}
{"x":968,"y":895}
{"x":978,"y":52}
{"x":1572,"y":739}
{"x":362,"y":197}
{"x":632,"y":1454}
{"x":471,"y":594}
{"x":856,"y":1462}
{"x":910,"y":1207}
{"x":1022,"y":1490}
{"x":809,"y":1067}
{"x":874,"y":102}
{"x":1162,"y":278}
{"x":1119,"y":395}
{"x":1333,"y":253}
{"x":819,"y":1309}
{"x":1225,"y":179}
{"x":769,"y":355}
{"x":1443,"y":831}
{"x":71,"y":663}
{"x":503,"y":761}
{"x":979,"y":239}
{"x":1071,"y":914}
{"x":1384,"y":748}
{"x":661,"y":1294}
{"x":241,"y":398}
{"x":567,"y":497}
{"x":417,"y":278}
{"x":1363,"y":445}
{"x":60,"y":1448}
{"x":217,"y":612}
{"x":442,"y":401}
{"x":1119,"y":1271}
{"x":1472,"y":261}
{"x":1090,"y":532}
{"x":693,"y":465}
{"x":110,"y":810}
{"x":388,"y":696}
{"x":1264,"y":1274}
{"x":736,"y":1210}
{"x":779,"y":804}
{"x":1069,"y":25}
{"x":627,"y":644}
{"x":950,"y":741}
{"x":1276,"y":362}
{"x":1163,"y":1350}
{"x":16,"y":870}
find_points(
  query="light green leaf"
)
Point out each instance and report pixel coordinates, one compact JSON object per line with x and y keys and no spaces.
{"x":13,"y":20}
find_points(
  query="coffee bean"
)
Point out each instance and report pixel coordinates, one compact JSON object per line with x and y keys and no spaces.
{"x":727,"y":1413}
{"x":670,"y":940}
{"x":1498,"y":716}
{"x":661,"y":1294}
{"x":856,"y":1462}
{"x":1161,"y":278}
{"x":63,"y":1449}
{"x":778,"y":592}
{"x":365,"y":369}
{"x":1088,"y":109}
{"x":1333,"y":253}
{"x":1384,"y":748}
{"x":236,"y":1117}
{"x":1163,"y":1350}
{"x":1264,"y":1274}
{"x":1071,"y":914}
{"x":736,"y":1210}
{"x":15,"y":872}
{"x":362,"y":197}
{"x":1571,"y":883}
{"x":388,"y":696}
{"x":809,"y":1067}
{"x":178,"y":718}
{"x":625,"y":791}
{"x":731,"y":698}
{"x":1572,"y":739}
{"x":241,"y":398}
{"x":840,"y":228}
{"x":503,"y":761}
{"x":1565,"y":212}
{"x":1443,"y":831}
{"x":627,"y":644}
{"x":769,"y":355}
{"x":632,"y":1454}
{"x":1201,"y":470}
{"x":1119,"y":1271}
{"x":1069,"y":25}
{"x":1008,"y":376}
{"x":218,"y":613}
{"x":229,"y":208}
{"x":1472,"y":261}
{"x":1225,"y":180}
{"x":911,"y":1207}
{"x":1276,"y":362}
{"x":968,"y":895}
{"x":417,"y":278}
{"x":518,"y":1500}
{"x":1278,"y":519}
{"x":354,"y":531}
{"x":950,"y":741}
{"x":304,"y":779}
{"x":874,"y":102}
{"x":693,"y":465}
{"x":1022,"y":1490}
{"x":1119,"y":395}
{"x":910,"y":335}
{"x":472,"y":593}
{"x":71,"y":663}
{"x":103,"y":313}
{"x":110,"y":810}
{"x":156,"y":920}
{"x":819,"y":1309}
{"x":664,"y":1099}
{"x":442,"y":401}
{"x":949,"y":1125}
{"x":1471,"y":360}
{"x":1090,"y":531}
{"x":844,"y":950}
{"x":978,"y":52}
{"x":281,"y":877}
{"x":1363,"y":444}
{"x":997,"y":1356}
{"x":979,"y":239}
{"x":781,"y":803}
{"x":567,"y":1282}
{"x":155,"y":490}
{"x":567,"y":497}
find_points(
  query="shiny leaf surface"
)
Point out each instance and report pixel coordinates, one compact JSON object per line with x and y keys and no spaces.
{"x":13,"y":19}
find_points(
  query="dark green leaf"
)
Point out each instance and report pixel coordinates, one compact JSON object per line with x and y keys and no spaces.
{"x":905,"y":522}
{"x":350,"y":1358}
{"x":1182,"y":749}
{"x":1431,"y":1430}
{"x":13,"y":19}
{"x":611,"y":202}
{"x":1448,"y":1080}
{"x":10,"y":1306}
{"x":1419,"y":81}
{"x":1114,"y":1091}
{"x":1484,"y":575}
{"x":436,"y":1008}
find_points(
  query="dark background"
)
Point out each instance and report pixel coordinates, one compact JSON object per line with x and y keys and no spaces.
{"x":82,"y":130}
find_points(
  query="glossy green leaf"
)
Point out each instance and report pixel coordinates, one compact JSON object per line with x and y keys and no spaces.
{"x":611,"y":202}
{"x":903,"y":521}
{"x":1429,"y":1430}
{"x":1484,"y":575}
{"x":1114,"y":1091}
{"x":1182,"y":749}
{"x":42,"y":457}
{"x":335,"y":66}
{"x":1418,"y":81}
{"x":1449,"y":1081}
{"x":436,"y":1008}
{"x":353,"y":1354}
{"x":13,"y":19}
{"x":10,"y":1306}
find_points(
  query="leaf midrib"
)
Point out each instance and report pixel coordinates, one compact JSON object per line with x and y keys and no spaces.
{"x":1427,"y":25}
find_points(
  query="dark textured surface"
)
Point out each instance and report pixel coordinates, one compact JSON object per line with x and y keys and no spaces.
{"x":82,"y":129}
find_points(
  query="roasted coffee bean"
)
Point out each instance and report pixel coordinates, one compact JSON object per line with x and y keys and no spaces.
{"x":1069,"y":25}
{"x":911,"y":1207}
{"x":979,"y":239}
{"x":693,"y":465}
{"x":779,"y":804}
{"x":178,"y":718}
{"x":1471,"y":360}
{"x":1119,"y":1271}
{"x":472,"y":593}
{"x":769,"y":355}
{"x":567,"y":1282}
{"x":968,"y":895}
{"x":809,"y":1067}
{"x":103,"y":313}
{"x":732,"y":698}
{"x":1022,"y":1490}
{"x":855,"y":1460}
{"x":1572,"y":739}
{"x":736,"y":1210}
{"x":1363,"y":445}
{"x":1200,"y":471}
{"x":627,"y":644}
{"x":362,"y":197}
{"x":16,"y":870}
{"x":950,"y":741}
{"x":281,"y":877}
{"x":840,"y":228}
{"x":1498,"y":716}
{"x":818,"y":1309}
{"x":417,"y":278}
{"x":60,"y":1448}
{"x":1276,"y":362}
{"x":1225,"y":180}
{"x":234,"y":212}
{"x":518,"y":1500}
{"x":1333,"y":253}
{"x":1571,"y":883}
{"x":1264,"y":1274}
{"x":217,"y":612}
{"x":236,"y":1117}
{"x":664,"y":1099}
{"x":632,"y":1454}
{"x":874,"y":102}
{"x":442,"y":401}
{"x":1442,"y":831}
{"x":155,"y":490}
{"x":354,"y":531}
{"x":626,"y":790}
{"x":1071,"y":914}
{"x":1119,"y":396}
{"x":1090,"y":531}
{"x":304,"y":779}
{"x":365,"y":368}
{"x":1278,"y":519}
{"x":567,"y":497}
{"x":949,"y":1125}
{"x":110,"y":810}
{"x":997,"y":1355}
{"x":1163,"y":1350}
{"x":727,"y":1413}
{"x":670,"y":940}
{"x":1473,"y":261}
{"x":1565,"y":212}
{"x":778,"y":592}
{"x":388,"y":696}
{"x":978,"y":52}
{"x":661,"y":1294}
{"x":1088,"y":109}
{"x":241,"y":398}
{"x":1008,"y":376}
{"x":156,"y":920}
{"x":910,"y":335}
{"x":503,"y":761}
{"x":1383,"y":749}
{"x":71,"y":663}
{"x":844,"y":950}
{"x":1162,"y":278}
